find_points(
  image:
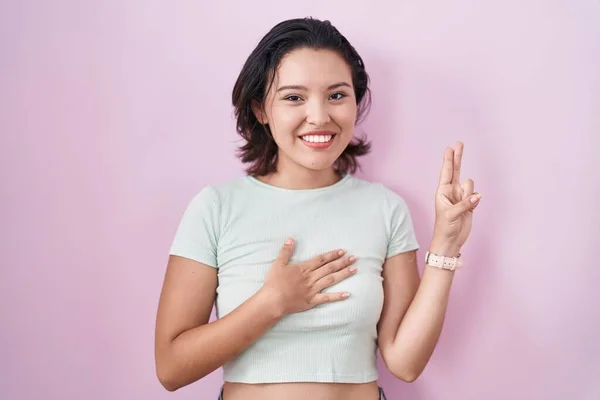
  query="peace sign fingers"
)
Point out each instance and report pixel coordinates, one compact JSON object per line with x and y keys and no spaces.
{"x":447,"y":167}
{"x":458,"y":153}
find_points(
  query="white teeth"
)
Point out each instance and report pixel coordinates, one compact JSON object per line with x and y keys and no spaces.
{"x":317,"y":138}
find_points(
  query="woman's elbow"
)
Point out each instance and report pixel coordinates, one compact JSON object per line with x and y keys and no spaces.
{"x":166,"y":377}
{"x":172,"y":375}
{"x":403,"y":372}
{"x":169,"y":386}
{"x":167,"y":374}
{"x":407,"y":376}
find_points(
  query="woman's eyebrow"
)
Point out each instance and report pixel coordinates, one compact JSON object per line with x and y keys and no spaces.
{"x":300,"y":87}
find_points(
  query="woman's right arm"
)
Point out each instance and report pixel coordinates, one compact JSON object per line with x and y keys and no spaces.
{"x":188,"y":348}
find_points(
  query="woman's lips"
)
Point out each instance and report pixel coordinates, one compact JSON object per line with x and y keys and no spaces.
{"x":318,"y":141}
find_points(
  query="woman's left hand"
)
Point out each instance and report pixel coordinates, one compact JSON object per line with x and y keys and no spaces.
{"x":454,"y":205}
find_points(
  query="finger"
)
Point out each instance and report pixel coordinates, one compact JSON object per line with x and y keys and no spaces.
{"x":322,"y":298}
{"x":457,"y":162}
{"x":324,"y":258}
{"x":285,"y":254}
{"x":331,"y":268}
{"x":465,"y":205}
{"x":332,"y":279}
{"x":447,"y":167}
{"x":476,"y":203}
{"x":468,"y":187}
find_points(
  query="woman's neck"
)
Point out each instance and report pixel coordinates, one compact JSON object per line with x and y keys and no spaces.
{"x":300,"y":178}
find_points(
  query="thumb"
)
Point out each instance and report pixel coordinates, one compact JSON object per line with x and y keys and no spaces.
{"x":285,"y":254}
{"x":465,"y":205}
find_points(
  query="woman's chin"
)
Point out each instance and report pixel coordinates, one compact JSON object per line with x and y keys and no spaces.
{"x":318,"y":164}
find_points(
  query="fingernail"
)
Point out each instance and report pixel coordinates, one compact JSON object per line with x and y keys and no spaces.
{"x":341,"y":253}
{"x":475,"y":198}
{"x":352,"y":259}
{"x":345,"y":295}
{"x":352,"y":269}
{"x":289,"y":241}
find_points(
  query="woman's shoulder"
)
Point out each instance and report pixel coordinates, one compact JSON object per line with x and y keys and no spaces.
{"x":213,"y":194}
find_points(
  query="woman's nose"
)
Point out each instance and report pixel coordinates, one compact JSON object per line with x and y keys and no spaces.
{"x":317,"y":114}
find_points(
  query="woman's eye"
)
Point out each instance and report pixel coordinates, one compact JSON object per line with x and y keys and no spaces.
{"x":293,"y":98}
{"x":337,"y":96}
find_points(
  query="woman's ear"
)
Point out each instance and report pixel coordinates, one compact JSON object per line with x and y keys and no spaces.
{"x":259,"y":113}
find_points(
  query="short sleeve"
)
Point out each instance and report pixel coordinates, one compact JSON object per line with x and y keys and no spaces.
{"x":197,"y":235}
{"x":402,"y":236}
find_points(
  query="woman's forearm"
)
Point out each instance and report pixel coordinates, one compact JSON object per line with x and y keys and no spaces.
{"x":201,"y":350}
{"x":421,"y":326}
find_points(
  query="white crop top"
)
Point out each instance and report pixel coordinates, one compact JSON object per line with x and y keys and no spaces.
{"x":240,"y":226}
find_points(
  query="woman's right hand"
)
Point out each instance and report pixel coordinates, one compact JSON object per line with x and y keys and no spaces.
{"x":299,"y":286}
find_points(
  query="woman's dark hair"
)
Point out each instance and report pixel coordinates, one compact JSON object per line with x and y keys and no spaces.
{"x":256,"y":78}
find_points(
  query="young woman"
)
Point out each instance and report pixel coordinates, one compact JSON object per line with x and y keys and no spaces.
{"x":312,"y":269}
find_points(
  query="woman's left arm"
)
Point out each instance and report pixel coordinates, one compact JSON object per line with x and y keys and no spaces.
{"x":414,"y":308}
{"x":413,"y":314}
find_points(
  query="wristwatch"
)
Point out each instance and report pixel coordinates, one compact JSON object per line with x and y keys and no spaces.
{"x":449,"y":263}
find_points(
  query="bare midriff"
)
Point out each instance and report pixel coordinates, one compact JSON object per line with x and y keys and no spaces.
{"x":301,"y":391}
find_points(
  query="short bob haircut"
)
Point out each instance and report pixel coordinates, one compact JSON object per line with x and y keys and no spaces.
{"x":256,"y":78}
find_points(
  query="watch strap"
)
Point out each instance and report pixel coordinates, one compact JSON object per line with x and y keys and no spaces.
{"x":442,"y":262}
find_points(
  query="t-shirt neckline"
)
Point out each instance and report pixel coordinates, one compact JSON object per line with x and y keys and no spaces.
{"x":260,"y":183}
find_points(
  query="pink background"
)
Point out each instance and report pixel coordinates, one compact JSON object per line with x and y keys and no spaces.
{"x":114,"y":113}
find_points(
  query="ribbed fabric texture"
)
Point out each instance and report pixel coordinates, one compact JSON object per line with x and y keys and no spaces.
{"x":240,"y":226}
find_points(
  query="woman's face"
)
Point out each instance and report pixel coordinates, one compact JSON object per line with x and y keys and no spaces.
{"x":311,"y":108}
